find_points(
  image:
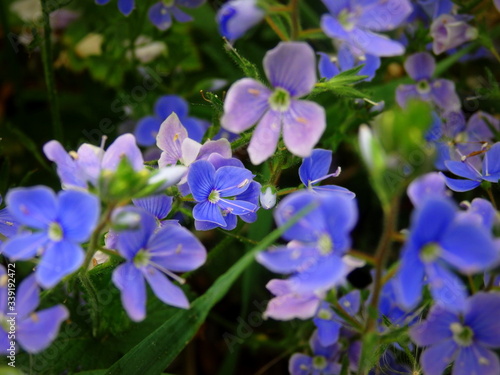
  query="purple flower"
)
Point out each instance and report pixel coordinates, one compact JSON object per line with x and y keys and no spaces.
{"x":148,"y":127}
{"x":316,"y":168}
{"x":328,"y":323}
{"x":435,"y":8}
{"x":479,"y":211}
{"x":441,"y":92}
{"x":176,"y":147}
{"x":237,"y":16}
{"x":60,"y":224}
{"x":347,"y":60}
{"x":450,"y":31}
{"x":214,"y":191}
{"x":318,"y":241}
{"x":34,"y":331}
{"x":8,"y":225}
{"x":438,"y":239}
{"x":357,"y":23}
{"x":490,"y":170}
{"x":124,"y":6}
{"x":324,"y":361}
{"x":290,"y":68}
{"x":77,"y":169}
{"x":160,"y":14}
{"x":151,"y":255}
{"x":465,"y":337}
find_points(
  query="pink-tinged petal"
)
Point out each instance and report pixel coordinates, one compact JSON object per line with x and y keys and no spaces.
{"x":476,"y":360}
{"x":130,"y":281}
{"x":164,"y":289}
{"x":265,"y":137}
{"x":78,"y":214}
{"x":169,"y":140}
{"x":123,"y":146}
{"x":220,"y":146}
{"x":59,"y":260}
{"x":436,"y":328}
{"x":303,"y":126}
{"x":246,"y":101}
{"x":38,"y":331}
{"x":482,"y":319}
{"x":291,"y":66}
{"x":420,"y":66}
{"x":435,"y":359}
{"x":190,"y":151}
{"x":67,"y":168}
{"x":25,"y":246}
{"x":35,"y":207}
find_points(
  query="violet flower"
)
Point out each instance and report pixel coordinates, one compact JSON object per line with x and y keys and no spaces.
{"x":160,"y":14}
{"x":237,"y":16}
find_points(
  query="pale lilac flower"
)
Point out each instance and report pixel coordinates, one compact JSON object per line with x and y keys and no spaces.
{"x":450,"y":31}
{"x":290,"y":68}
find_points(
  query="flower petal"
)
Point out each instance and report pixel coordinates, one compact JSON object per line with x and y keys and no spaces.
{"x":376,"y":44}
{"x":146,"y":130}
{"x":168,"y":104}
{"x":78,"y":214}
{"x":435,"y":359}
{"x":126,"y":6}
{"x":291,"y":66}
{"x":67,"y":169}
{"x":201,"y":179}
{"x":160,"y":16}
{"x":319,"y":275}
{"x":420,"y":66}
{"x":25,"y":246}
{"x":286,"y":259}
{"x":444,"y":95}
{"x":327,"y":68}
{"x":207,"y":211}
{"x":436,"y":328}
{"x":315,"y":166}
{"x":38,"y":331}
{"x":475,"y":359}
{"x":157,"y":205}
{"x":60,"y":259}
{"x":461,"y":185}
{"x":35,"y":206}
{"x":409,"y":279}
{"x":482,"y":319}
{"x":132,"y":240}
{"x":237,"y":207}
{"x":231,"y":181}
{"x":246,"y":101}
{"x":169,"y":140}
{"x":164,"y":289}
{"x":446,"y":288}
{"x":303,"y":126}
{"x":123,"y":146}
{"x":28,"y":297}
{"x":130,"y":281}
{"x":265,"y":137}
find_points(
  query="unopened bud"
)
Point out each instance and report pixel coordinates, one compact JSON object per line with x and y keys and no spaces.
{"x":267,"y":197}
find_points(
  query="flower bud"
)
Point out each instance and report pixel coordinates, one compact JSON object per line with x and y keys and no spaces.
{"x":237,"y":16}
{"x":449,"y":32}
{"x":267,"y":197}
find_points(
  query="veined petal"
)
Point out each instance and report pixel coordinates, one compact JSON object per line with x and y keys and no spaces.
{"x":286,"y":259}
{"x":315,"y":166}
{"x":482,"y":319}
{"x":475,"y":359}
{"x":89,"y":161}
{"x":376,"y":44}
{"x":132,"y":240}
{"x":327,"y":68}
{"x":190,"y":151}
{"x":78,"y":214}
{"x":291,"y":66}
{"x":303,"y":126}
{"x":246,"y":101}
{"x":67,"y":169}
{"x":176,"y":249}
{"x":157,"y":205}
{"x":231,"y":181}
{"x":460,"y":185}
{"x":436,"y":328}
{"x":220,"y":146}
{"x":35,"y":207}
{"x":237,"y":207}
{"x":130,"y":281}
{"x":38,"y":331}
{"x":319,"y":275}
{"x":169,"y":140}
{"x":201,"y":179}
{"x":60,"y":259}
{"x":123,"y":146}
{"x":491,"y":163}
{"x":207,"y":211}
{"x":164,"y":289}
{"x":463,"y":169}
{"x":265,"y":137}
{"x":384,"y":15}
{"x":25,"y":246}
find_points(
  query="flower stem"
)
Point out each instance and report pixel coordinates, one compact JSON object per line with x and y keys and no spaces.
{"x":276,"y":29}
{"x":294,"y":5}
{"x":48,"y":69}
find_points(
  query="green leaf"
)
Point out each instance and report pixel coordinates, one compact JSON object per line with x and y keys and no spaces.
{"x":248,"y":68}
{"x":160,"y":348}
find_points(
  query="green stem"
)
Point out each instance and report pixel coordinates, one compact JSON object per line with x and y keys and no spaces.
{"x":48,"y":69}
{"x":294,"y":5}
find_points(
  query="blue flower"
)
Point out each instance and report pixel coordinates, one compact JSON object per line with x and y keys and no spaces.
{"x":214,"y":190}
{"x":329,"y":323}
{"x":347,"y":60}
{"x":439,"y":238}
{"x":34,"y":331}
{"x":290,"y":68}
{"x":237,"y":16}
{"x":465,"y":337}
{"x":160,"y":14}
{"x":428,"y":185}
{"x":60,"y":224}
{"x":8,"y":225}
{"x":149,"y":126}
{"x":151,"y":255}
{"x":124,"y":6}
{"x":357,"y":23}
{"x":466,"y":169}
{"x":318,"y":241}
{"x":316,"y":168}
{"x":441,"y":92}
